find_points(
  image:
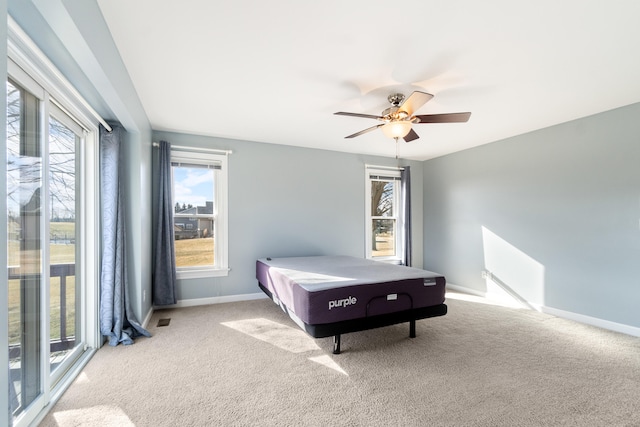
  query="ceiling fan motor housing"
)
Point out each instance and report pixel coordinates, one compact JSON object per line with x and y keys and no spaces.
{"x":395,"y":113}
{"x":396,"y":99}
{"x":390,"y":112}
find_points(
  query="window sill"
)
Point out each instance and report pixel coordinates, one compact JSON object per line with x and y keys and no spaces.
{"x":202,"y":273}
{"x":387,"y":260}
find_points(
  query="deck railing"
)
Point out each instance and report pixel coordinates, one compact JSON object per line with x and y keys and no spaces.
{"x":56,"y":270}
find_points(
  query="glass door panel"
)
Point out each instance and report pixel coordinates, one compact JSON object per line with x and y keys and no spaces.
{"x":25,"y":260}
{"x":64,"y":295}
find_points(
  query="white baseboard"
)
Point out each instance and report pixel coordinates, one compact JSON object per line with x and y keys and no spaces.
{"x":593,"y":321}
{"x":217,"y":300}
{"x":580,"y":318}
{"x":458,"y":288}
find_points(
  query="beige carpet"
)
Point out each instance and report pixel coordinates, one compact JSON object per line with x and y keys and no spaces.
{"x":247,"y":364}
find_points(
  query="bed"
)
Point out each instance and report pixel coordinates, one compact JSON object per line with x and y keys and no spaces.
{"x":334,"y":295}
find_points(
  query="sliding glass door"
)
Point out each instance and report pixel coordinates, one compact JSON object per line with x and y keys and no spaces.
{"x":47,"y":231}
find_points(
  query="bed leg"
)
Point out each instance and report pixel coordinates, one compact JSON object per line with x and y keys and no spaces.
{"x":412,"y":328}
{"x":336,"y":344}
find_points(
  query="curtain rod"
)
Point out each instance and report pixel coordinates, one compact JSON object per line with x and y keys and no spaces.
{"x":18,"y":33}
{"x":208,"y":150}
{"x":368,"y":166}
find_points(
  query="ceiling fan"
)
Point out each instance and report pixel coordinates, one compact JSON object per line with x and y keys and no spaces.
{"x":399,"y":117}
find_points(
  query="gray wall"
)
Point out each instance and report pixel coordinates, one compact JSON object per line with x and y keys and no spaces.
{"x":288,"y":201}
{"x":554,"y":214}
{"x":137,"y":178}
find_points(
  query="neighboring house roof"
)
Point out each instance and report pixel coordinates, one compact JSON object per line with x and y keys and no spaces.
{"x":205,"y":209}
{"x":189,"y":211}
{"x":198,"y":210}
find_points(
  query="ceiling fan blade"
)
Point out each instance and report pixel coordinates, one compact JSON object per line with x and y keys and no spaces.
{"x":412,"y":135}
{"x":416,"y":100}
{"x":366,"y":116}
{"x":444,"y":118}
{"x":365,"y":131}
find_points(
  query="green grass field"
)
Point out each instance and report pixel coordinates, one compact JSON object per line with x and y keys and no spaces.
{"x":192,"y":252}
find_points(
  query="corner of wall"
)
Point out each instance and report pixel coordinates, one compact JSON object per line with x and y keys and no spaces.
{"x":138,"y":202}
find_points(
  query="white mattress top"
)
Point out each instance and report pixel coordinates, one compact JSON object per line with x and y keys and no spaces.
{"x":322,"y":272}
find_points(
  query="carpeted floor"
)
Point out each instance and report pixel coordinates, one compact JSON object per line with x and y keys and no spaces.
{"x":248,"y":364}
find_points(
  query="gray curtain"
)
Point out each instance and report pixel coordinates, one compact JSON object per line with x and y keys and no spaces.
{"x":164,"y":277}
{"x":117,"y":321}
{"x":405,"y":190}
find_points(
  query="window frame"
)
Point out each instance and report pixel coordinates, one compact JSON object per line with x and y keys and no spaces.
{"x":220,"y":267}
{"x":388,"y":175}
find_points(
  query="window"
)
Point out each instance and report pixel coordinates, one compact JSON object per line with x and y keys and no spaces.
{"x":200,"y":213}
{"x":52,"y":252}
{"x":383,"y":215}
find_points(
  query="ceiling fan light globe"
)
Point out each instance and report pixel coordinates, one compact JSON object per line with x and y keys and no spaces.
{"x":398,"y":129}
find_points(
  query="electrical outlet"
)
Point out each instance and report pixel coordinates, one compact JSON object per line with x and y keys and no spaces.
{"x":144,"y":296}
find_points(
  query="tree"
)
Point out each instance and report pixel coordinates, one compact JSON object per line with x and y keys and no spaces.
{"x":24,"y":160}
{"x":381,"y":198}
{"x":381,"y":205}
{"x":62,"y":169}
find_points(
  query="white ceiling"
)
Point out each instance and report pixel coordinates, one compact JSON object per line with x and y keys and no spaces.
{"x":276,"y":71}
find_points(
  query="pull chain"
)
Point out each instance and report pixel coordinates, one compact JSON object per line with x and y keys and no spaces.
{"x":396,"y":138}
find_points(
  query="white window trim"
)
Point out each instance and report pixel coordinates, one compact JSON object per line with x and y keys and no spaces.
{"x":220,"y":215}
{"x":390,"y":172}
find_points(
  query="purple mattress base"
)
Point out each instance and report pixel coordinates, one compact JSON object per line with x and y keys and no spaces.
{"x":333,"y":301}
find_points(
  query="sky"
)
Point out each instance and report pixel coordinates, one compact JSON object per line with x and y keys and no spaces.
{"x":192,"y":186}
